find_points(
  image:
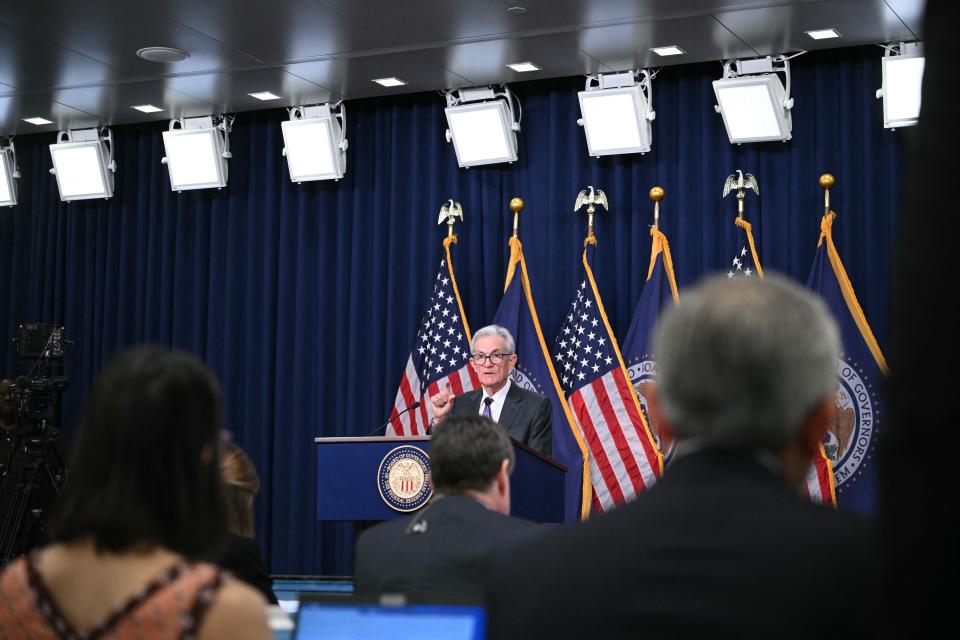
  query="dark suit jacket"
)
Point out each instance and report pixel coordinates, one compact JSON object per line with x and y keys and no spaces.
{"x":439,"y":554}
{"x":719,"y":548}
{"x":527,"y":416}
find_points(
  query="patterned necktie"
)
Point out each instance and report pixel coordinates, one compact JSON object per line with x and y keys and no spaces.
{"x":486,"y":407}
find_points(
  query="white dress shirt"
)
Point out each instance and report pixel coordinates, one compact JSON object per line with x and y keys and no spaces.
{"x":496,"y":407}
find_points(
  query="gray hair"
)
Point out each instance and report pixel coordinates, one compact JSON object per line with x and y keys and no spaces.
{"x":741,"y":363}
{"x":494,"y":330}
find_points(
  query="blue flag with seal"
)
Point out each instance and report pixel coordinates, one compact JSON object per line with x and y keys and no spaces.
{"x":534,"y":371}
{"x":850,"y":442}
{"x":659,"y":293}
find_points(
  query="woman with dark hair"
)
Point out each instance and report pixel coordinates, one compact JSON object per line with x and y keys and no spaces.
{"x":143,"y":498}
{"x":242,"y":555}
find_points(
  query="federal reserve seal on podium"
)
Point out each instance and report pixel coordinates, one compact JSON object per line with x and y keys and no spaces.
{"x":404,"y":478}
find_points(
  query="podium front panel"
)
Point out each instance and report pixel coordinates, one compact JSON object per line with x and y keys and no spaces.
{"x":348,"y":488}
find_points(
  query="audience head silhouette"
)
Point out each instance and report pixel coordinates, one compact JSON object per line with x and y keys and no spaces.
{"x":145,"y":471}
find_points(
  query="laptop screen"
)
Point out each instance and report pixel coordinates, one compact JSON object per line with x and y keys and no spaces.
{"x":345,"y":620}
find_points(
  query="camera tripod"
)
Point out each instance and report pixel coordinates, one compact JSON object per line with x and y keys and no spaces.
{"x":34,"y":476}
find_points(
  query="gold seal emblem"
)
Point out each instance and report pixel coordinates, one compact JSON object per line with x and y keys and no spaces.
{"x":404,"y":478}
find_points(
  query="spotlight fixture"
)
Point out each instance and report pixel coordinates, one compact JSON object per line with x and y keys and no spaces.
{"x":616,"y":113}
{"x":902,"y":67}
{"x":315,"y":143}
{"x":9,"y":173}
{"x":753,"y":102}
{"x":197,"y":152}
{"x":83,"y":164}
{"x":481,"y":125}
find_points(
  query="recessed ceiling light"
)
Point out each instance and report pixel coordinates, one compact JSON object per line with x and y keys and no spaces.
{"x":523,"y":67}
{"x":672,"y":50}
{"x":390,"y":82}
{"x":162,"y":54}
{"x":37,"y":120}
{"x":823,"y":34}
{"x":147,"y":108}
{"x":264,"y":95}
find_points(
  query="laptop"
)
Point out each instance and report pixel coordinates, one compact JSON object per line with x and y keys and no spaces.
{"x":331,"y":617}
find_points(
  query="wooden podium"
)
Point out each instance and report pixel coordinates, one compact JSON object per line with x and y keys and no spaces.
{"x":347,"y":487}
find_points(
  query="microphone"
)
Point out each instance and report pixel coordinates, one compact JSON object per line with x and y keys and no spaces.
{"x":410,"y":408}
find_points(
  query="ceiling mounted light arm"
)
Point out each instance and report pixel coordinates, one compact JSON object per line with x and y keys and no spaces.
{"x":315,"y":142}
{"x":9,"y":174}
{"x":902,"y":79}
{"x":482,"y":124}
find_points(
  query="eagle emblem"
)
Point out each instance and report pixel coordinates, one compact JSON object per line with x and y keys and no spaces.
{"x":740,"y":181}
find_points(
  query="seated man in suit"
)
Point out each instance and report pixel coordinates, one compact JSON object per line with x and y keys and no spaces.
{"x":722,"y":546}
{"x":440,"y":553}
{"x":526,"y":416}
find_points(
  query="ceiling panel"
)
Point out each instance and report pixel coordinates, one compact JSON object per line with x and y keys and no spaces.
{"x":111,"y":32}
{"x":29,"y":63}
{"x":773,"y":30}
{"x":228,"y":91}
{"x":554,"y":13}
{"x":910,"y":13}
{"x":716,"y":5}
{"x":114,"y":104}
{"x":353,"y":77}
{"x":275,"y":31}
{"x":14,"y":109}
{"x":486,"y":62}
{"x":429,"y":21}
{"x":627,"y":46}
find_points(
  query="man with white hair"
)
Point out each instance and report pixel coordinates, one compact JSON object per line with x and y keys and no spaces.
{"x":525,"y":416}
{"x":722,"y":546}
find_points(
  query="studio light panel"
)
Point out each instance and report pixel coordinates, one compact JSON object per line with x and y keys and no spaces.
{"x":81,"y":170}
{"x":482,"y":133}
{"x":8,"y":192}
{"x":902,"y":80}
{"x":615,"y":121}
{"x":311,"y":147}
{"x":195,"y":159}
{"x":752,"y":108}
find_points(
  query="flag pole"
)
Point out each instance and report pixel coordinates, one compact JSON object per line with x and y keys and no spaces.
{"x":827,"y":181}
{"x":516,"y":205}
{"x":657,"y":194}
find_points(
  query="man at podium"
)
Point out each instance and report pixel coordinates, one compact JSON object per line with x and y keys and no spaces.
{"x":440,"y":553}
{"x":524,"y":415}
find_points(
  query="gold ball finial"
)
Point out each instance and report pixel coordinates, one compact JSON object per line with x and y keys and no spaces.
{"x":516,"y":205}
{"x":657,"y":194}
{"x":827,"y":181}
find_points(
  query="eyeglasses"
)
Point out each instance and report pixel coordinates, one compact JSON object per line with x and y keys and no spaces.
{"x":495,"y":358}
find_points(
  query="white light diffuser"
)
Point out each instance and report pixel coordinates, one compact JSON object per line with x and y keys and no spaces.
{"x":82,"y":170}
{"x":482,"y":133}
{"x":8,"y":186}
{"x":615,"y":120}
{"x":390,"y":82}
{"x":312,"y":148}
{"x":195,"y":158}
{"x":753,"y":108}
{"x":823,"y":34}
{"x":523,"y":67}
{"x":37,"y":121}
{"x":672,"y":50}
{"x":902,"y":81}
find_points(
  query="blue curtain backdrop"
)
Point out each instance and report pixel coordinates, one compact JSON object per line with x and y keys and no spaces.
{"x":304,"y":298}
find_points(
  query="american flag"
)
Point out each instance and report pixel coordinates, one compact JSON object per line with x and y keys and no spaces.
{"x":745,"y":263}
{"x":440,"y":354}
{"x":623,"y":457}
